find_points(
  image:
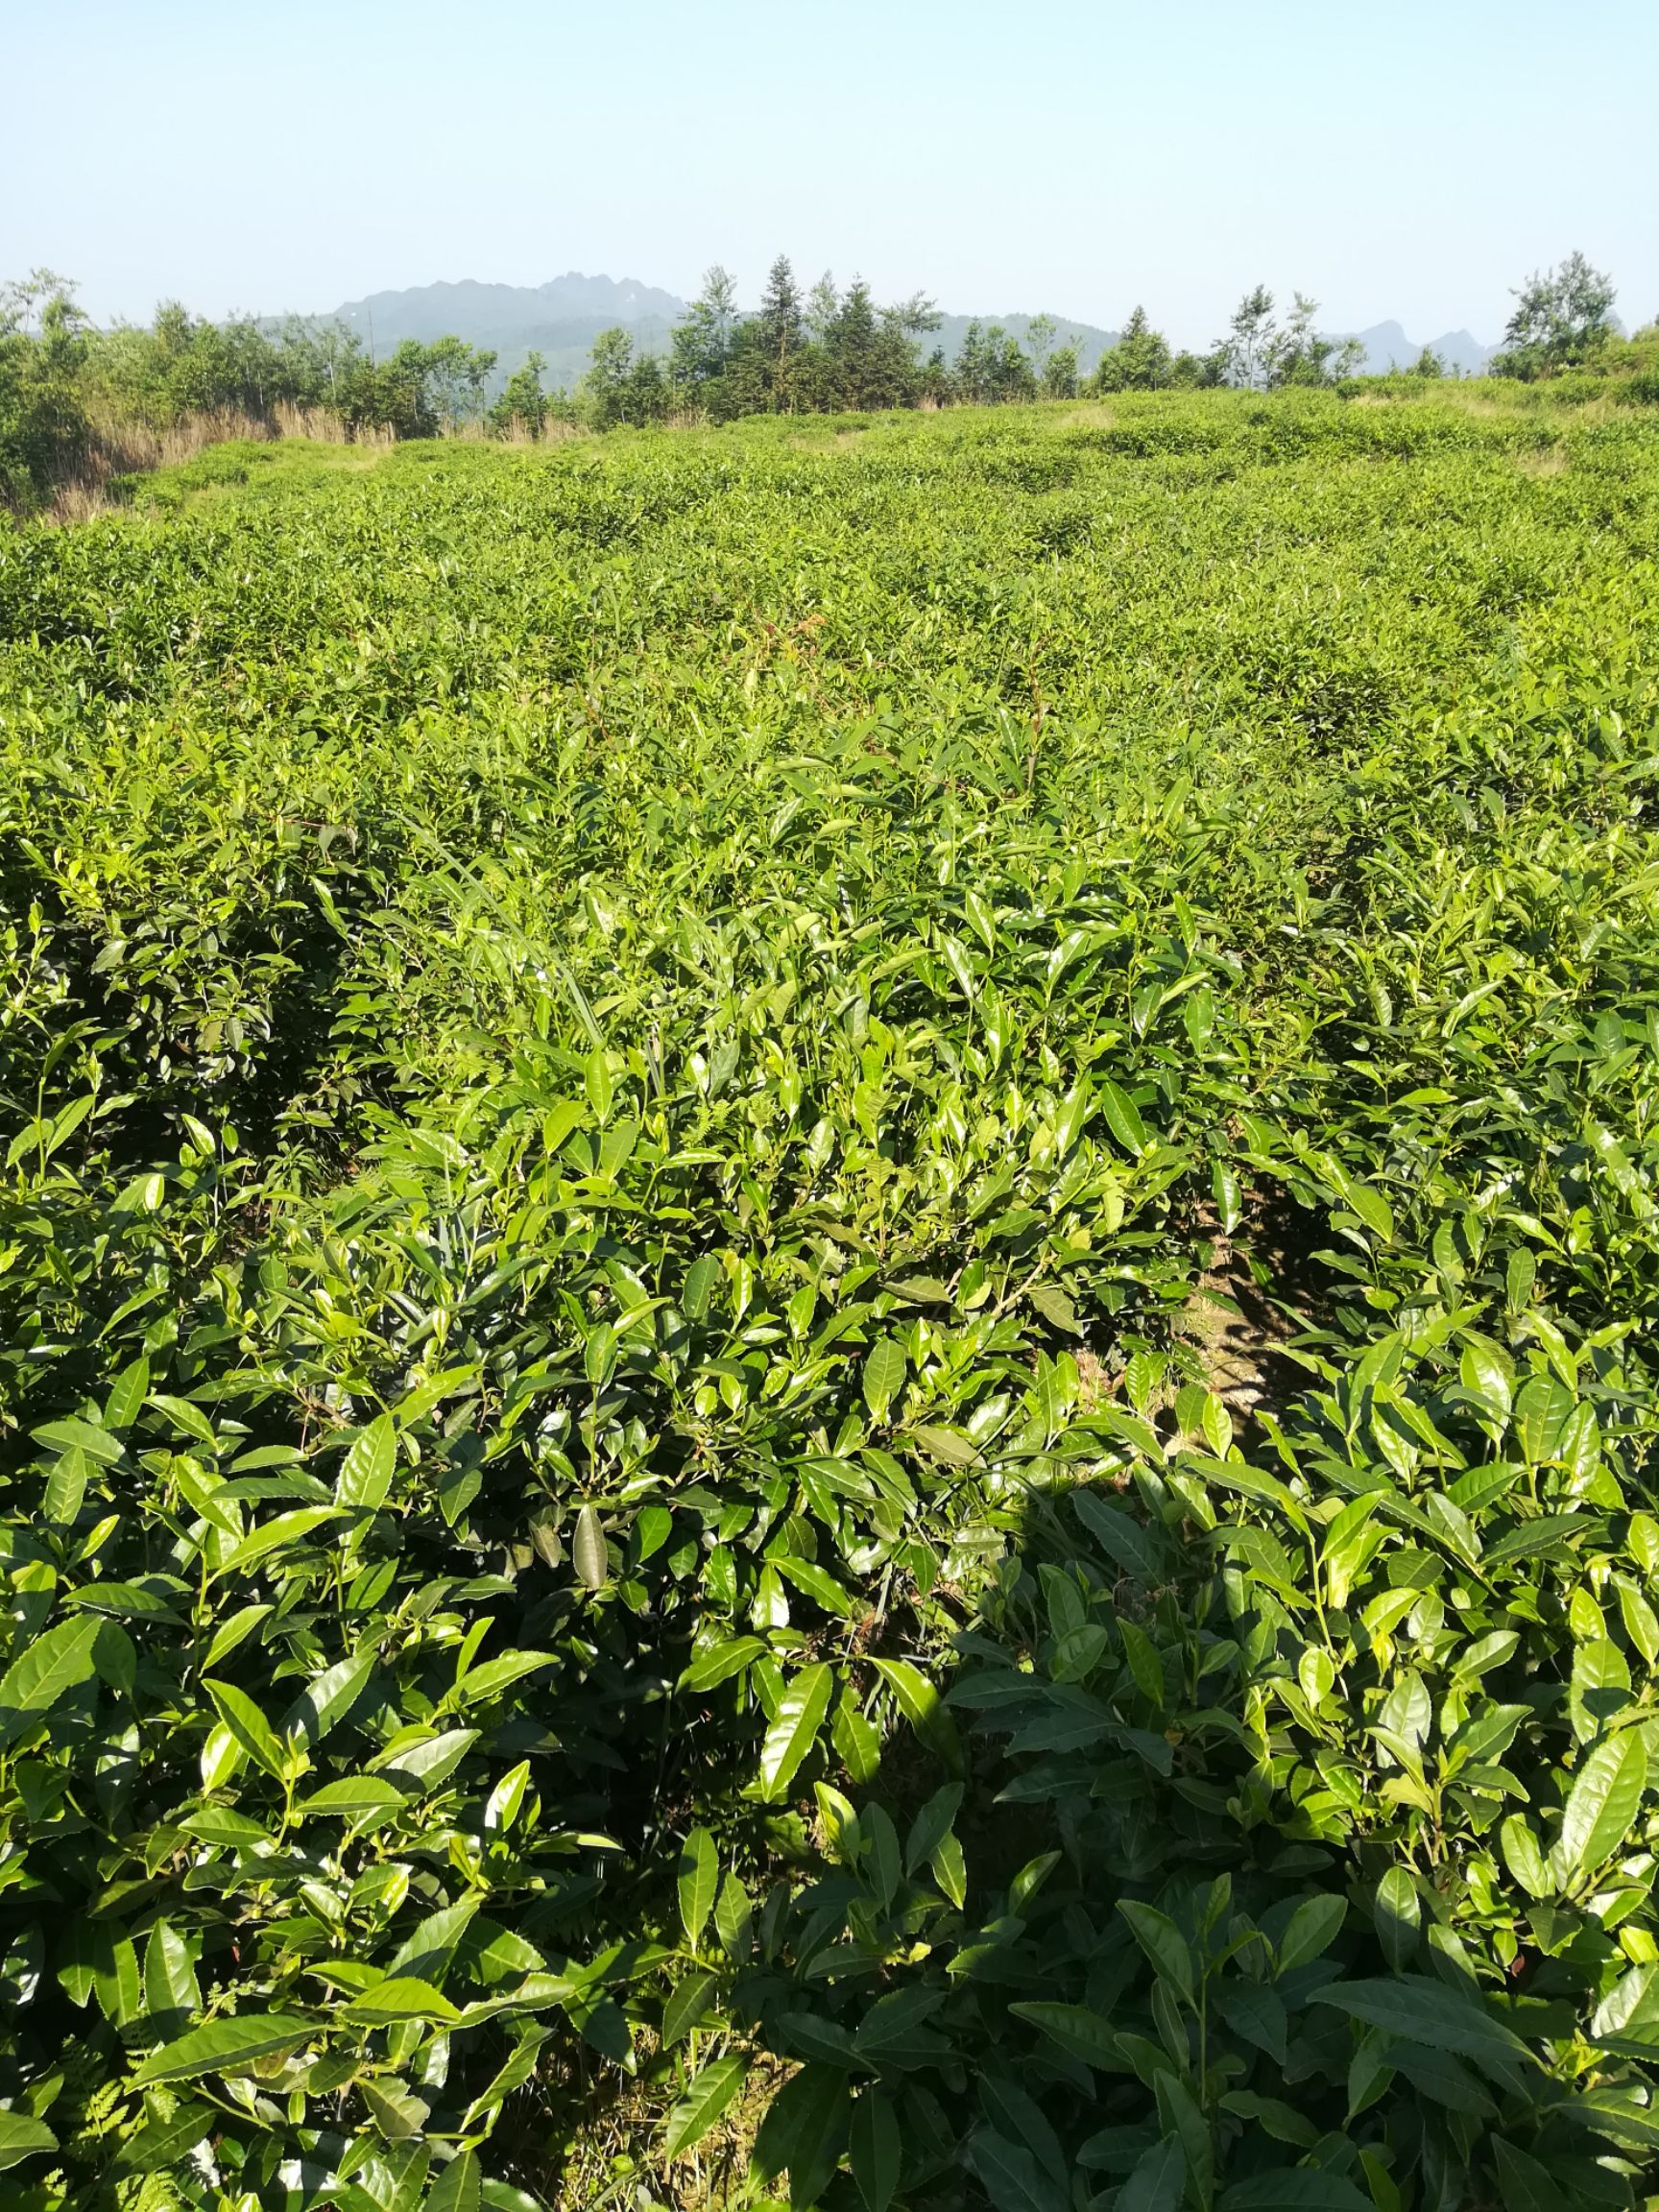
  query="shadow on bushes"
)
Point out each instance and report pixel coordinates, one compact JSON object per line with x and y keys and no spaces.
{"x":1296,"y":1855}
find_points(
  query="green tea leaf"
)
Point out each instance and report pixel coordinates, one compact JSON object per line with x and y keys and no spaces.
{"x":1399,"y":1916}
{"x":801,"y":1713}
{"x":459,"y":2187}
{"x":366,"y":1473}
{"x":698,"y":1880}
{"x":227,"y":2046}
{"x":706,"y":2099}
{"x":588,"y":1551}
{"x":1602,"y":1805}
{"x":1080,"y":2033}
{"x":400,"y":1997}
{"x":885,"y":1368}
{"x":718,"y":1662}
{"x":53,"y":1665}
{"x":1429,"y":2013}
{"x":687,"y":2005}
{"x":922,"y":1706}
{"x":274,"y":1536}
{"x":21,"y":2138}
{"x":248,"y":1726}
{"x":1123,"y":1117}
{"x":875,"y":2150}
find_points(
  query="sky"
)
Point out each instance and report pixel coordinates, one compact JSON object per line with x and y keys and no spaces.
{"x":1414,"y":163}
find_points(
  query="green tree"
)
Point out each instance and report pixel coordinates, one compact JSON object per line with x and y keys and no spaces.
{"x":992,"y":369}
{"x":42,"y":354}
{"x":456,"y":375}
{"x":823,"y":305}
{"x":701,"y":346}
{"x":316,"y":359}
{"x":1060,"y":373}
{"x":1297,"y":354}
{"x":622,"y":387}
{"x":851,"y":343}
{"x":973,"y":376}
{"x":650,"y":394}
{"x":1563,"y":316}
{"x":1040,"y":333}
{"x":398,"y":394}
{"x":1250,"y":341}
{"x":934,"y":386}
{"x":603,"y":389}
{"x":900,"y":374}
{"x":1199,"y":372}
{"x":779,"y":332}
{"x":522,"y":400}
{"x":1011,"y":373}
{"x":1139,"y":362}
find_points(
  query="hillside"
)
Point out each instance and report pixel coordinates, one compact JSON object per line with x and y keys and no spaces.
{"x":560,"y":319}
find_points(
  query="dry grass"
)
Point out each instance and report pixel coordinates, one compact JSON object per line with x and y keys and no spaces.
{"x":121,"y":445}
{"x":1096,"y":1388}
{"x":1551,"y":461}
{"x":1240,"y":1330}
{"x":618,"y":2166}
{"x":519,"y":432}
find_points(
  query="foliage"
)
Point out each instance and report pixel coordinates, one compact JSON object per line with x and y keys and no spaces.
{"x":625,"y":1067}
{"x":71,"y":395}
{"x":42,"y":350}
{"x":184,"y":365}
{"x":1563,"y":316}
{"x":1140,"y":361}
{"x":1262,"y":353}
{"x":523,"y":403}
{"x":623,"y":388}
{"x":839,"y":351}
{"x":1059,"y":377}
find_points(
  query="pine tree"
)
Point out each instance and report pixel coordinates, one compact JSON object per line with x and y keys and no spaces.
{"x":852,"y":348}
{"x":778,"y":333}
{"x":972,"y":377}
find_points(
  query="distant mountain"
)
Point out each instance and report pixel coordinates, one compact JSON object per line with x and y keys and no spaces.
{"x":1387,"y":347}
{"x":560,"y":319}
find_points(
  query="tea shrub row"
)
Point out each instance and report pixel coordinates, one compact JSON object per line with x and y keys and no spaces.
{"x":627,"y":1073}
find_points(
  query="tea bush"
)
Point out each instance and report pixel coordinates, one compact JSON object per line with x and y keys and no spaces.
{"x":632,"y":1573}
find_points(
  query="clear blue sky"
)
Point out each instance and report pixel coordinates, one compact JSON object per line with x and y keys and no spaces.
{"x":1413,"y":160}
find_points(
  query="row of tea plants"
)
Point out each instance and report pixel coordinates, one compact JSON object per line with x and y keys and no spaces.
{"x":632,"y":1575}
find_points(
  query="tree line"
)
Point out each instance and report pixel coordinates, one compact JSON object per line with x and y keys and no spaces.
{"x":68,"y":387}
{"x":833,"y":351}
{"x":837,"y":351}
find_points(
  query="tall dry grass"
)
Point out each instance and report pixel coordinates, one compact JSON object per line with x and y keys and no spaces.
{"x":118,"y":445}
{"x":515,"y":431}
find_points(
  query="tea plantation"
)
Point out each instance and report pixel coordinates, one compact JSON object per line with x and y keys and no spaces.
{"x":828,"y":1260}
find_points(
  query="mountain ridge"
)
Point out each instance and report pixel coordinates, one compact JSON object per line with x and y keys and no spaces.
{"x":1387,"y":346}
{"x":561,"y":318}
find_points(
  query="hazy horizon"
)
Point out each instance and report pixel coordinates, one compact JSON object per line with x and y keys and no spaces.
{"x":1395,"y":171}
